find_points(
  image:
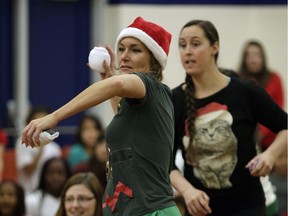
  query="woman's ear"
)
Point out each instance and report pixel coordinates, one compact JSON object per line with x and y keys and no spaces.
{"x":215,"y":48}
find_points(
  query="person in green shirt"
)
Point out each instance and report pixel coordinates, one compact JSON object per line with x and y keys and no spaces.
{"x":140,"y":136}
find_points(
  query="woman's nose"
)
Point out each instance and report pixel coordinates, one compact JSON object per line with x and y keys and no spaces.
{"x":75,"y":203}
{"x":124,"y":55}
{"x":188,"y":50}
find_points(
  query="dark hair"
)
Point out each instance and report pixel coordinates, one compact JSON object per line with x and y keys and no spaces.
{"x":43,"y":187}
{"x":96,"y":166}
{"x":263,"y":75}
{"x":213,"y":37}
{"x":229,"y":72}
{"x":35,"y":110}
{"x":19,"y":209}
{"x":97,"y":123}
{"x":91,"y":182}
{"x":101,"y":137}
{"x":42,"y":182}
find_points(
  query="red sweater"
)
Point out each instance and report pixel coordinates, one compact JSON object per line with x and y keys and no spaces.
{"x":3,"y":138}
{"x":275,"y":90}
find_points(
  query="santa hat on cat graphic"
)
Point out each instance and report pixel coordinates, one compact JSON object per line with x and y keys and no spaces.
{"x":213,"y":111}
{"x":206,"y":114}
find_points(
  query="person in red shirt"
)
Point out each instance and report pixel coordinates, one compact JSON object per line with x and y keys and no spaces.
{"x":3,"y":142}
{"x":253,"y":66}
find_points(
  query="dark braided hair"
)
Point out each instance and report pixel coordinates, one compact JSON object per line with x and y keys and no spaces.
{"x":212,"y":35}
{"x":190,"y":104}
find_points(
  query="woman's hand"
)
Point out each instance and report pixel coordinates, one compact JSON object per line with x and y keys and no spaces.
{"x":30,"y":134}
{"x":261,"y":165}
{"x":109,"y":69}
{"x":197,"y":202}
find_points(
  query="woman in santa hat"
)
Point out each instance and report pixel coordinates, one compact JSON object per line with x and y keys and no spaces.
{"x":140,"y":136}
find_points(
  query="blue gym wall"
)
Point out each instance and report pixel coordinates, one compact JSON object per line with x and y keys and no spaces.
{"x":59,"y":45}
{"x":6,"y":77}
{"x":58,"y":48}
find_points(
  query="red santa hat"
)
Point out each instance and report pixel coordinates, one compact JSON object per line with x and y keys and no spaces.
{"x":156,"y":38}
{"x":213,"y":111}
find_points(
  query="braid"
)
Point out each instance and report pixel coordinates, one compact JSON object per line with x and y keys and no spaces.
{"x":190,"y":105}
{"x":191,"y":113}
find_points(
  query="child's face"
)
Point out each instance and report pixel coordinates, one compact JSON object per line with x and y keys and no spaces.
{"x":89,"y":133}
{"x":8,"y":199}
{"x":56,"y":176}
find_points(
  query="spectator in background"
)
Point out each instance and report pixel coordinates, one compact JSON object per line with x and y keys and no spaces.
{"x":12,"y":199}
{"x":253,"y":66}
{"x":82,"y":195}
{"x":215,"y":122}
{"x":97,"y":162}
{"x":88,"y":132}
{"x":3,"y":143}
{"x":46,"y":199}
{"x":29,"y":161}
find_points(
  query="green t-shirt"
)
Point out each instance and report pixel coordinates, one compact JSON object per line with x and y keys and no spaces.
{"x":140,"y":141}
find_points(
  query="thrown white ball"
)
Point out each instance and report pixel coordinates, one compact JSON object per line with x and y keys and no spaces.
{"x":96,"y":57}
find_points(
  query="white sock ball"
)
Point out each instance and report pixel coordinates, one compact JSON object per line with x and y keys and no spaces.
{"x":96,"y":57}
